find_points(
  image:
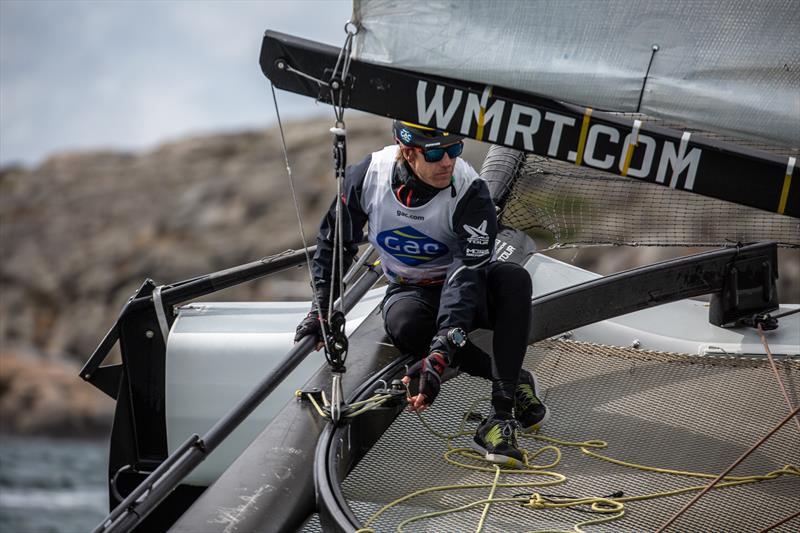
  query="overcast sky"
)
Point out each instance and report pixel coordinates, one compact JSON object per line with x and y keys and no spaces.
{"x":130,"y":74}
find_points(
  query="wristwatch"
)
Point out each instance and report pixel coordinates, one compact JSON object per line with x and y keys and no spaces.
{"x":457,"y":337}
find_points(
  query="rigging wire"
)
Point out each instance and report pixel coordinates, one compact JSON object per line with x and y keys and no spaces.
{"x":337,"y":260}
{"x":723,"y":474}
{"x":333,"y":333}
{"x":336,"y":87}
{"x":780,"y":522}
{"x":777,"y":374}
{"x":322,"y":325}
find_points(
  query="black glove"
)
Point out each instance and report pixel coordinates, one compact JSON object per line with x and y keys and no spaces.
{"x":430,"y":372}
{"x":440,"y":344}
{"x":310,"y":326}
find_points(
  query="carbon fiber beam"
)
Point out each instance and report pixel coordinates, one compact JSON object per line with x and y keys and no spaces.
{"x":677,"y":159}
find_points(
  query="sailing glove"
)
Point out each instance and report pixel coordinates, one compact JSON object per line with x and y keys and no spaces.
{"x":430,"y":372}
{"x":310,"y":326}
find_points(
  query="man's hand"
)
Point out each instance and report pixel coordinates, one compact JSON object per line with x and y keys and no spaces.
{"x":311,"y":326}
{"x":430,"y":372}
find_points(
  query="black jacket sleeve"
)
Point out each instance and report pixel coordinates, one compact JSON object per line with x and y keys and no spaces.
{"x":463,"y":294}
{"x":353,"y":221}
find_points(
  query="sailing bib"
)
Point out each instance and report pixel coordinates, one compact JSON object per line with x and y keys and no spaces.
{"x":416,"y":244}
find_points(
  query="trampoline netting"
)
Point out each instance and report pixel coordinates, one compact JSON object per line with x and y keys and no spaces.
{"x":672,"y":411}
{"x":568,"y":206}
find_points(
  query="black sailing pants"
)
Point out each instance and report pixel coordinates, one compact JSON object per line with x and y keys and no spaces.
{"x":409,"y":316}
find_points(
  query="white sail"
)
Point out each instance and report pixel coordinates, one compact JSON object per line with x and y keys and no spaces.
{"x":726,"y":66}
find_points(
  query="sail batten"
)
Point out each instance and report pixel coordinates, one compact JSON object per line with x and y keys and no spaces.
{"x":718,"y":65}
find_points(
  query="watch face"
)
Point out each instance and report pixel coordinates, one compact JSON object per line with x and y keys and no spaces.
{"x":457,"y":337}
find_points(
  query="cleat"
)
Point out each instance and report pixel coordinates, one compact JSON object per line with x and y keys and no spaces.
{"x":529,"y":410}
{"x":496,"y":440}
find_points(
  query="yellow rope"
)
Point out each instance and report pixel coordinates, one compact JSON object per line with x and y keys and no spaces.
{"x":533,"y":469}
{"x":646,"y":468}
{"x":489,"y":499}
{"x":561,"y":442}
{"x":730,"y":480}
{"x":365,"y":405}
{"x":442,"y":488}
{"x":375,"y":401}
{"x":316,"y":406}
{"x":577,"y":527}
{"x":470,"y":454}
{"x":598,"y":505}
{"x":456,"y":510}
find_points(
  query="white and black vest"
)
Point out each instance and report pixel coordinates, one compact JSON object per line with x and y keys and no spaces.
{"x":416,"y":244}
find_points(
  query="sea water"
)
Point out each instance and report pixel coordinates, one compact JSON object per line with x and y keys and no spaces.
{"x":52,"y":485}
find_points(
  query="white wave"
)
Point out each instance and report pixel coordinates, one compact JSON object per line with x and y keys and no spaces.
{"x":53,"y":499}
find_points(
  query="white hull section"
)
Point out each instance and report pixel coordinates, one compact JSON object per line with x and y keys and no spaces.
{"x":218,"y":352}
{"x":675,"y":327}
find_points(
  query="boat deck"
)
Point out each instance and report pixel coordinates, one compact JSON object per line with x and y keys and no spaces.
{"x":670,"y":411}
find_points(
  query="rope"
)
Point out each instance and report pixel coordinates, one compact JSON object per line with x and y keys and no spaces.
{"x":356,"y":408}
{"x":598,"y":505}
{"x":777,"y":374}
{"x":338,"y":244}
{"x":489,"y":500}
{"x":786,"y":313}
{"x":343,"y":60}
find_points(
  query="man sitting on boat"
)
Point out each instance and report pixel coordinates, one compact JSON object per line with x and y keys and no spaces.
{"x":433,"y":222}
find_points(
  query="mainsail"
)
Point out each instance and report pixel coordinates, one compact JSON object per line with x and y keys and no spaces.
{"x":631,"y":145}
{"x":718,"y":65}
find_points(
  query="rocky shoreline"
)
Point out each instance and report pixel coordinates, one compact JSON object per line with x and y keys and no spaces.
{"x":47,"y":398}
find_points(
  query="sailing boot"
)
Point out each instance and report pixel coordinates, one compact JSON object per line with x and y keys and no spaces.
{"x":496,"y":439}
{"x":529,"y":410}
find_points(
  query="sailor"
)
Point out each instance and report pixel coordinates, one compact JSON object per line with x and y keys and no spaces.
{"x":433,"y":223}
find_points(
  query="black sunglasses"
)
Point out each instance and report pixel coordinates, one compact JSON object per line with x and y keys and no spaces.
{"x":432,"y":155}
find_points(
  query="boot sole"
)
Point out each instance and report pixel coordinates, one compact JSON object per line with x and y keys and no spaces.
{"x":540,"y":423}
{"x":496,"y":458}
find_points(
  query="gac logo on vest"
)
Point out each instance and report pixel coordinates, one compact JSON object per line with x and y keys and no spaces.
{"x":410,"y":246}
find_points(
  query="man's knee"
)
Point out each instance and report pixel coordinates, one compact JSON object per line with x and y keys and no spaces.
{"x":513,"y":278}
{"x":409,"y":327}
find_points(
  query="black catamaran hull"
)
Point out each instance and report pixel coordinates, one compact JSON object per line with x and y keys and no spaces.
{"x":295,"y":466}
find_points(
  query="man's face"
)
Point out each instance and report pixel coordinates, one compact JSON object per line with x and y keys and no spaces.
{"x":437,"y":174}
